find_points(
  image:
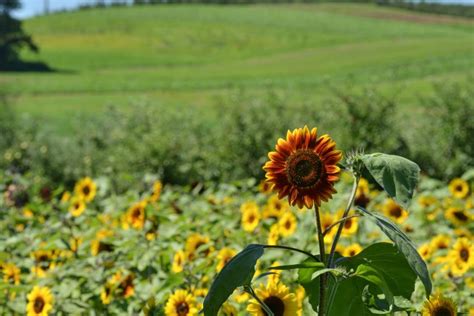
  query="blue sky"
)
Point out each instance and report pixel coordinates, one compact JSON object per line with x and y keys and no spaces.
{"x":36,"y":7}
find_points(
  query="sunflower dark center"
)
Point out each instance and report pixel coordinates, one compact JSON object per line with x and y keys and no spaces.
{"x":460,"y":215}
{"x":348,"y":223}
{"x":304,"y":168}
{"x":287,"y":224}
{"x":182,"y":309}
{"x":396,"y":212}
{"x":442,"y":311}
{"x":464,"y":254}
{"x":251,"y":218}
{"x":275,"y":304}
{"x":86,"y":190}
{"x":38,"y":305}
{"x":136,"y":213}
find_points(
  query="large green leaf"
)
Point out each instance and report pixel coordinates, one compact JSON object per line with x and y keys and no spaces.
{"x":238,"y":272}
{"x":391,"y":263}
{"x":348,"y":298}
{"x":405,"y":246}
{"x":310,"y":284}
{"x":373,"y":276}
{"x":398,"y":176}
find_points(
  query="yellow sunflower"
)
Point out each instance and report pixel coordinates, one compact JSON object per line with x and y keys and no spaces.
{"x":248,"y":206}
{"x":224,"y":256}
{"x":304,"y":167}
{"x":250,"y":219}
{"x":178,"y":261}
{"x":275,"y":277}
{"x":27,"y":213}
{"x":265,"y":187}
{"x":85,"y":189}
{"x":461,"y":256}
{"x":440,"y":242}
{"x":136,"y":215}
{"x":126,"y":287}
{"x":327,"y":219}
{"x":181,"y":303}
{"x":11,"y":273}
{"x":197,"y":244}
{"x":362,"y":197}
{"x":277,"y":298}
{"x":430,"y":207}
{"x":425,"y":251}
{"x":99,"y":246}
{"x":350,"y":225}
{"x":106,"y":293}
{"x":155,"y":195}
{"x":274,"y":208}
{"x":288,"y":224}
{"x":352,"y":250}
{"x":459,"y":188}
{"x":40,"y":301}
{"x":229,"y":310}
{"x":44,"y":261}
{"x":438,"y":305}
{"x":457,"y":216}
{"x":77,"y":207}
{"x":394,"y":211}
{"x":273,"y":234}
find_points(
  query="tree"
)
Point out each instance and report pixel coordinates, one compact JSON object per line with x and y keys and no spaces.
{"x":12,"y":36}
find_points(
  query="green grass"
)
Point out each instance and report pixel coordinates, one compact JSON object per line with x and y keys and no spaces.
{"x":185,"y":55}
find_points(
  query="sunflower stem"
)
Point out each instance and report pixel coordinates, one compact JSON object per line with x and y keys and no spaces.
{"x":341,"y":223}
{"x":322,"y":256}
{"x":328,"y":229}
{"x":267,"y":310}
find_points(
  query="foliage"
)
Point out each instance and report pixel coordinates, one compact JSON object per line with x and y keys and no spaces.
{"x":463,"y":10}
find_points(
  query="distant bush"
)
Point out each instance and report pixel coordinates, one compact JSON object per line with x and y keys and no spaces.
{"x":463,"y":10}
{"x":194,"y":145}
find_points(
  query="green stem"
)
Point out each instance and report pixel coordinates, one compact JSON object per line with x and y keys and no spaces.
{"x":341,"y":224}
{"x":267,"y":310}
{"x":322,"y":255}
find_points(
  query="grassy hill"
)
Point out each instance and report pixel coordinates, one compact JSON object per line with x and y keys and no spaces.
{"x":188,"y":54}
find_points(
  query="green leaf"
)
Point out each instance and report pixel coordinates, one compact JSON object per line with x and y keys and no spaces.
{"x":311,"y":286}
{"x":398,"y":176}
{"x":405,"y":246}
{"x":237,"y":272}
{"x":373,"y":276}
{"x":348,"y":298}
{"x":391,"y":264}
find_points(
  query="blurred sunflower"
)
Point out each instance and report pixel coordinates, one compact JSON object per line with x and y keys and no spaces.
{"x":197,"y":244}
{"x":438,"y":305}
{"x":394,"y":211}
{"x":430,"y":206}
{"x":274,"y":278}
{"x":440,"y":242}
{"x":352,"y":250}
{"x":274,"y":208}
{"x":459,"y":188}
{"x":11,"y":273}
{"x":249,"y":206}
{"x":277,"y":298}
{"x":181,"y":303}
{"x":425,"y":251}
{"x":300,"y":295}
{"x":178,"y":261}
{"x":77,"y":207}
{"x":65,"y":197}
{"x":265,"y":187}
{"x":156,"y":193}
{"x":136,"y":215}
{"x":224,"y":256}
{"x":28,"y":213}
{"x":304,"y":167}
{"x":43,"y":262}
{"x":106,"y":293}
{"x":85,"y":189}
{"x":288,"y":224}
{"x":457,"y":216}
{"x":461,"y":256}
{"x":229,"y":310}
{"x":99,"y":246}
{"x":350,"y":225}
{"x":327,"y":219}
{"x":241,"y":296}
{"x":273,"y":234}
{"x":126,"y":287}
{"x":40,"y":301}
{"x":250,"y":219}
{"x":362,"y":197}
{"x":200,"y":292}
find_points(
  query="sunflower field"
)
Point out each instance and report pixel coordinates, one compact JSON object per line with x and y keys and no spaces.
{"x":155,"y":249}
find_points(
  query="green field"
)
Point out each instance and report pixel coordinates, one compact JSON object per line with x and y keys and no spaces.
{"x":185,"y":55}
